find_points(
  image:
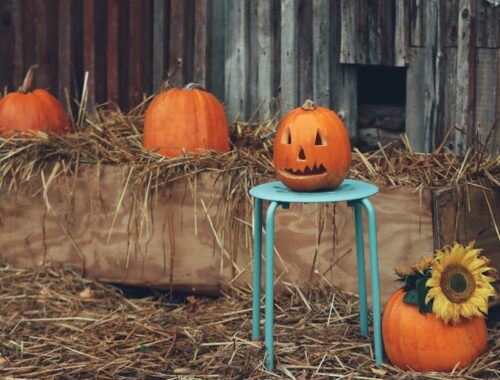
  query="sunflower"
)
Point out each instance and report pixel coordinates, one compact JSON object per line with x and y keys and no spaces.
{"x":459,"y":285}
{"x":411,"y":270}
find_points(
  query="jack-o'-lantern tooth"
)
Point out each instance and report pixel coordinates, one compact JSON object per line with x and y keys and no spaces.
{"x":307,"y":170}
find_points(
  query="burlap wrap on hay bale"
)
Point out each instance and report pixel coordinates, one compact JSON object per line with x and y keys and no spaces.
{"x":98,"y":201}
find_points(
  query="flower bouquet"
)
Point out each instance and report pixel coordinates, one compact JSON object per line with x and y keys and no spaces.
{"x":435,"y":322}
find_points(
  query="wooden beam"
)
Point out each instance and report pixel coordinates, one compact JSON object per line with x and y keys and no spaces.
{"x":465,"y":76}
{"x":237,"y":60}
{"x":289,"y":70}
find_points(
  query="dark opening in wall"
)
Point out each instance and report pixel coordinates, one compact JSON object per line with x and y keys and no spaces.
{"x":381,"y":104}
{"x":382,"y":85}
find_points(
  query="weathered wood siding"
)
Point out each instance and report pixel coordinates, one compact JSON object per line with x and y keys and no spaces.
{"x":267,"y":55}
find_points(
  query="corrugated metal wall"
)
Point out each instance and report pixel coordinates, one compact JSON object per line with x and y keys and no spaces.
{"x":264,"y":54}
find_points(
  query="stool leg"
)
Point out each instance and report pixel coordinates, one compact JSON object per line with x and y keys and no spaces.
{"x":360,"y":256}
{"x":377,"y":323}
{"x":257,"y":267}
{"x":269,"y":324}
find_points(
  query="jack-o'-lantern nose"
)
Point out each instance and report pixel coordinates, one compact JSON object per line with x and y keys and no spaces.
{"x":302,"y":154}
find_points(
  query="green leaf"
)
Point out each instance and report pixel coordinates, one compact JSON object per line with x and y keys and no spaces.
{"x":421,"y":294}
{"x":409,"y":283}
{"x":411,"y":297}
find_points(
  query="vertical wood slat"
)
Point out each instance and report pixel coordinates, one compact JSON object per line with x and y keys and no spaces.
{"x":18,"y":63}
{"x":237,"y":60}
{"x":387,"y":37}
{"x":417,"y":23}
{"x":160,"y":42}
{"x":201,"y":42}
{"x":450,"y":93}
{"x":372,"y":49}
{"x":487,"y":99}
{"x":177,"y":47}
{"x":464,"y":75}
{"x":450,"y":14}
{"x":289,"y":73}
{"x":488,"y":25}
{"x":6,"y":45}
{"x":66,"y":54}
{"x":305,"y":51}
{"x":89,"y":59}
{"x":321,"y":52}
{"x":344,"y":78}
{"x":136,"y":52}
{"x":46,"y":50}
{"x":425,"y":83}
{"x":261,"y":73}
{"x":216,"y":79}
{"x":401,"y":33}
{"x":348,"y":34}
{"x":112,"y":52}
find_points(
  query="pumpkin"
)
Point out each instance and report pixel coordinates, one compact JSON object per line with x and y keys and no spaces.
{"x":189,"y":119}
{"x":26,"y":110}
{"x":424,"y":343}
{"x":312,"y":150}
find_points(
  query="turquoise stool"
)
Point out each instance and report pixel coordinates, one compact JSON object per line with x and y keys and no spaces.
{"x":356,"y":194}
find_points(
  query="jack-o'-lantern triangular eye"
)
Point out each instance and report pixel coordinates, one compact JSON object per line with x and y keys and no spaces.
{"x":286,"y":138}
{"x":320,"y":139}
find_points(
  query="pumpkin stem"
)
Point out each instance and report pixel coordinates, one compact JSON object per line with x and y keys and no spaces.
{"x":308,"y":105}
{"x":28,"y":79}
{"x":193,"y":86}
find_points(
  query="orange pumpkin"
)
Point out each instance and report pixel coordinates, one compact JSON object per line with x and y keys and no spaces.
{"x":189,"y":119}
{"x":24,"y":111}
{"x":311,"y":149}
{"x":424,"y":343}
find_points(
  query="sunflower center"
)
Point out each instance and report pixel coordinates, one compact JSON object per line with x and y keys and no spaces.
{"x":457,"y":283}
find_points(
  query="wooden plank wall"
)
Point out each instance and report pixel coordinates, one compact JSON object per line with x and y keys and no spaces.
{"x":266,"y":55}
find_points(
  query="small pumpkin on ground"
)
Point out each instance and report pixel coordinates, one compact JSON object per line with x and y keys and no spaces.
{"x":312,"y":150}
{"x":189,"y":119}
{"x":37,"y":110}
{"x":436,"y":321}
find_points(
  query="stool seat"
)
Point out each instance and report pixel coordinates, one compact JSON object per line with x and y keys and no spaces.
{"x":356,"y":194}
{"x":348,"y":190}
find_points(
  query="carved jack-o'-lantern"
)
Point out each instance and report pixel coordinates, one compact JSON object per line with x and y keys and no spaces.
{"x":311,"y":149}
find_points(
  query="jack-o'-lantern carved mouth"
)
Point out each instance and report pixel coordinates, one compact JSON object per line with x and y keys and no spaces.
{"x":315,"y":170}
